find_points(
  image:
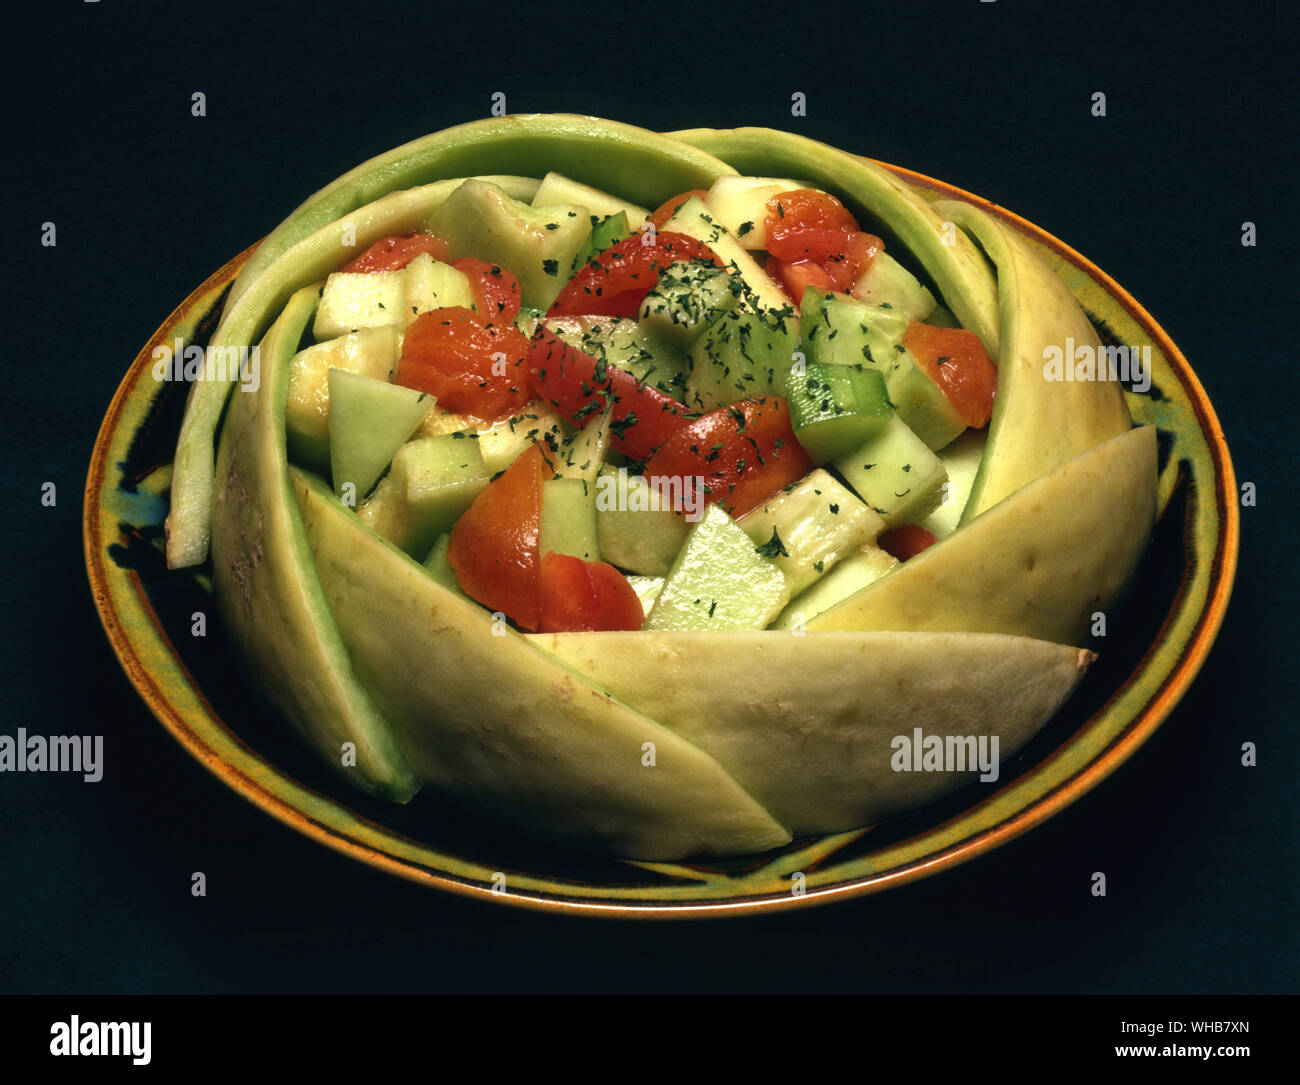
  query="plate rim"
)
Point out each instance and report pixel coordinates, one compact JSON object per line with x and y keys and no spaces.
{"x":1200,"y":640}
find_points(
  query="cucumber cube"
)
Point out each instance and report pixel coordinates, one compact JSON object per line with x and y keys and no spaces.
{"x":353,"y":300}
{"x":744,"y":355}
{"x":921,"y":403}
{"x":850,"y":576}
{"x":689,"y":297}
{"x":432,"y":481}
{"x":719,"y":581}
{"x":835,"y":409}
{"x":568,"y":521}
{"x":694,"y":219}
{"x":637,"y":529}
{"x":369,"y":421}
{"x":503,"y":442}
{"x":431,"y":284}
{"x":835,"y":330}
{"x":896,"y":474}
{"x":647,"y":589}
{"x":817,"y":522}
{"x":539,"y":244}
{"x":961,"y":461}
{"x":604,"y":233}
{"x":887,"y":282}
{"x":556,"y":188}
{"x":371,"y":352}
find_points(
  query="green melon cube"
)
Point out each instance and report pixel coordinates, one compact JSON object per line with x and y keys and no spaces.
{"x":568,"y":520}
{"x":719,"y":581}
{"x":432,"y":481}
{"x":896,"y":474}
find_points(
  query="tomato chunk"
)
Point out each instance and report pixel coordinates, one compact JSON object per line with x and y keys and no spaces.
{"x":494,"y":545}
{"x":669,"y":208}
{"x":394,"y":253}
{"x":807,"y":230}
{"x":472,"y":367}
{"x":957,"y":361}
{"x":496,"y":290}
{"x":795,"y":278}
{"x":584,"y":596}
{"x":580,"y":386}
{"x":744,"y":452}
{"x":616,"y":282}
{"x":846,"y":263}
{"x":804,"y":212}
{"x":906,"y":541}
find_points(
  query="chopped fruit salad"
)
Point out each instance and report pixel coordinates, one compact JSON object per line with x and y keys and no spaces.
{"x":587,"y":416}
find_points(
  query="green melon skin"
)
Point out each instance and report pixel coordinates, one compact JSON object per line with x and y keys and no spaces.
{"x":266,"y":584}
{"x":487,"y":716}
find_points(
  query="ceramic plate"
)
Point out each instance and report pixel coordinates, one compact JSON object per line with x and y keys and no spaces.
{"x":196,"y":689}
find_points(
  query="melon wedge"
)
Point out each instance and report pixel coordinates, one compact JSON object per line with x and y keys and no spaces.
{"x":487,"y":716}
{"x":1038,"y":564}
{"x":1037,"y":424}
{"x":806,"y":724}
{"x":267,"y":589}
{"x":189,"y":521}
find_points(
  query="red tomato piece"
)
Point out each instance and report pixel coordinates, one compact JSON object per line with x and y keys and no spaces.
{"x":394,"y":253}
{"x":617,"y":281}
{"x":580,"y":386}
{"x":795,"y":278}
{"x":956,"y":360}
{"x":803,"y":210}
{"x":470,"y":366}
{"x":585,"y":596}
{"x":906,"y":541}
{"x":806,"y":225}
{"x":494,"y":545}
{"x":669,"y":208}
{"x":496,"y":290}
{"x":745,"y":452}
{"x":853,"y":257}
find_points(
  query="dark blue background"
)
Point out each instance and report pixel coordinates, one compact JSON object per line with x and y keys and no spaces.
{"x":1200,"y":853}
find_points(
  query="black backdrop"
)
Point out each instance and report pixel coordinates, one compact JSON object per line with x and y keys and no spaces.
{"x":995,"y":97}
